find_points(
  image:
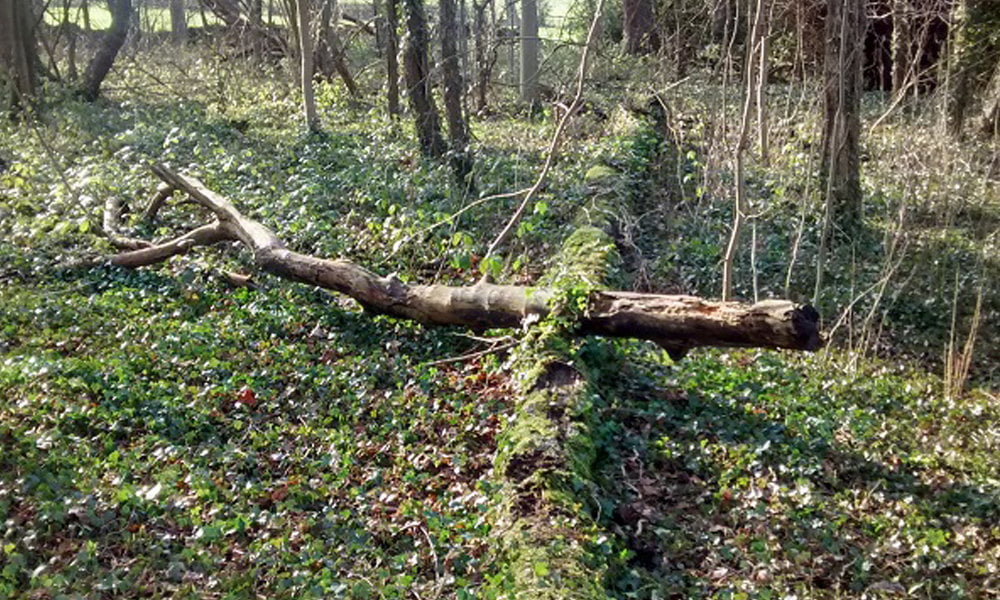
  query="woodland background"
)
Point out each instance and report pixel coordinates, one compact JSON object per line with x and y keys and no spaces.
{"x":202,"y":427}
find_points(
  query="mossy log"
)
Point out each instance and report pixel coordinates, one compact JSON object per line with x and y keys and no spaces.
{"x":548,"y":536}
{"x":677,"y":323}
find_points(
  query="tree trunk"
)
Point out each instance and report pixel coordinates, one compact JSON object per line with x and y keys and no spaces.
{"x":722,"y":18}
{"x":550,"y":443}
{"x":901,"y":40}
{"x":482,"y":52}
{"x":114,"y":39}
{"x":989,"y":125}
{"x":640,"y":27}
{"x":330,"y":56}
{"x":763,"y":67}
{"x":18,"y":52}
{"x":458,"y":131}
{"x":976,"y":49}
{"x":418,"y":85}
{"x":513,"y":47}
{"x":379,"y":30}
{"x":677,"y":323}
{"x":682,"y":46}
{"x":140,"y":18}
{"x":68,"y":28}
{"x":71,"y":70}
{"x":391,"y":40}
{"x":463,"y":48}
{"x":304,"y":13}
{"x":529,"y":51}
{"x":178,"y":22}
{"x":740,"y":205}
{"x":845,"y":26}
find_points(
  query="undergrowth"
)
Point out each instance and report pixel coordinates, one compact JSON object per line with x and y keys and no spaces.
{"x":164,"y":435}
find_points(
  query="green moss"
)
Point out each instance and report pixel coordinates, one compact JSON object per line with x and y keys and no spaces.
{"x":600,"y":174}
{"x":545,"y":457}
{"x":588,"y":258}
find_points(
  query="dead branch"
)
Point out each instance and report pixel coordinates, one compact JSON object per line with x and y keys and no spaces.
{"x":156,"y":201}
{"x":677,"y":323}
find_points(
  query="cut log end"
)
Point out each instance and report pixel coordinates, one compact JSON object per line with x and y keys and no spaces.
{"x":805,"y":322}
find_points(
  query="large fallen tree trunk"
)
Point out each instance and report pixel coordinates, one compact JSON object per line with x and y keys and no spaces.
{"x":545,"y":452}
{"x":677,"y":323}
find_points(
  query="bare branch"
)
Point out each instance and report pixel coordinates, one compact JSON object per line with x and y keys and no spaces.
{"x":675,"y":322}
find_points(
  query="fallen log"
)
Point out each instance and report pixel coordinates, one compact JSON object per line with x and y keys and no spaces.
{"x":546,"y":450}
{"x":677,"y":323}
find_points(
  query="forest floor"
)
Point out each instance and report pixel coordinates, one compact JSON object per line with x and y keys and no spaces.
{"x":163,"y":434}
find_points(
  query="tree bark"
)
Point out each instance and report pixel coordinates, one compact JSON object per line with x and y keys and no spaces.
{"x":72,"y":32}
{"x":458,"y":131}
{"x":330,"y":55}
{"x":178,"y":22}
{"x":114,"y":39}
{"x":304,"y":12}
{"x":18,"y":52}
{"x":845,"y":26}
{"x":677,"y":323}
{"x":976,"y":49}
{"x":722,"y":20}
{"x":550,"y":444}
{"x":763,"y":69}
{"x":463,"y":49}
{"x":71,"y":69}
{"x":391,"y":41}
{"x":989,"y":124}
{"x":418,"y":85}
{"x":901,"y":39}
{"x":513,"y":48}
{"x":255,"y":12}
{"x":640,"y":27}
{"x":740,"y":204}
{"x":482,"y":52}
{"x":529,"y":51}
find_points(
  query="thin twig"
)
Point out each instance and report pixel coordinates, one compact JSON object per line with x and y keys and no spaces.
{"x":472,"y":355}
{"x":882,"y":282}
{"x":485,"y":340}
{"x":437,"y":563}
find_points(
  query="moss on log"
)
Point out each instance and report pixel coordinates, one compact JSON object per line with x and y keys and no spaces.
{"x":549,"y":538}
